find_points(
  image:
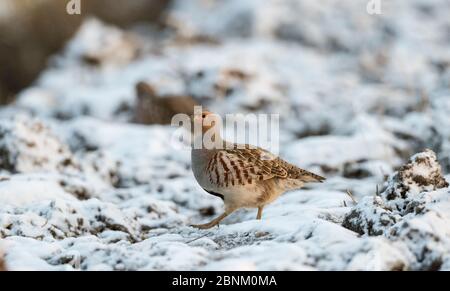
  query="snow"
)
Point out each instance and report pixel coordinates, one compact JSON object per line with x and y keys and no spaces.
{"x":360,"y":97}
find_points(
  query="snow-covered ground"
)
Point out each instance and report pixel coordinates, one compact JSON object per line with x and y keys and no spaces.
{"x":360,"y":97}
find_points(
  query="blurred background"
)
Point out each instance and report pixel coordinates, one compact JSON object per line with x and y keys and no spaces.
{"x":87,"y":101}
{"x":33,"y":30}
{"x":329,"y":68}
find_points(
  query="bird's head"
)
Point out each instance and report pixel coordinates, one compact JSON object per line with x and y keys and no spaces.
{"x":206,"y":120}
{"x":205,"y":130}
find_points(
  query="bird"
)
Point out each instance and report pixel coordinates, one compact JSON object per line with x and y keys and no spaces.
{"x":242,"y":175}
{"x":151,"y":108}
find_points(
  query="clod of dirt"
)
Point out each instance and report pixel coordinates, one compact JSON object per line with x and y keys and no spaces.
{"x":27,"y":145}
{"x":409,"y":212}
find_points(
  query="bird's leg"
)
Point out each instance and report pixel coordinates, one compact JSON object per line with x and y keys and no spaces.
{"x":259,"y":215}
{"x":214,"y":222}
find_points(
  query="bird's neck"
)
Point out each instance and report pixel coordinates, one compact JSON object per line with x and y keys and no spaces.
{"x":210,"y":141}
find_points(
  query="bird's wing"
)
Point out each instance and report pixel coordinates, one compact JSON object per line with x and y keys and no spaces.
{"x":264,"y":162}
{"x":241,"y":166}
{"x":278,"y":167}
{"x":297,"y":173}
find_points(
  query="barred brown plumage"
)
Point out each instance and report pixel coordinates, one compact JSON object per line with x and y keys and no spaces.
{"x":243,"y":175}
{"x":245,"y":167}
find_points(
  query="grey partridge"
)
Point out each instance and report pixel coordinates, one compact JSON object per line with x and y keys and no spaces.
{"x":151,"y":108}
{"x":243,"y":176}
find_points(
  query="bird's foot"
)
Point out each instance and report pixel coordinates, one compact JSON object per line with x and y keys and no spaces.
{"x":212,"y":223}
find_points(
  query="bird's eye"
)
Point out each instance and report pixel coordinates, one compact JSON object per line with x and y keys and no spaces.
{"x":203,"y":115}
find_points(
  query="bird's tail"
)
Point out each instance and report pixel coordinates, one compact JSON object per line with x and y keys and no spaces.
{"x":306,"y":176}
{"x":296,"y":173}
